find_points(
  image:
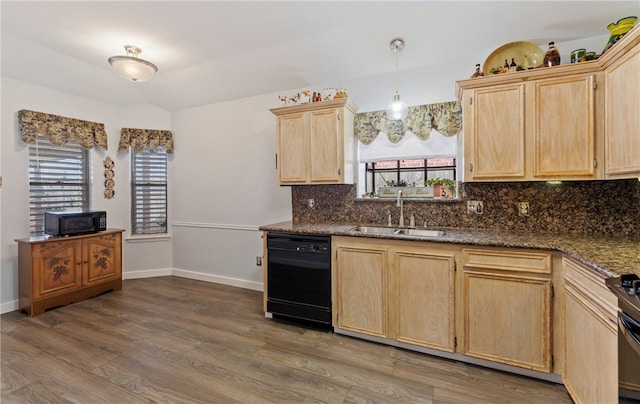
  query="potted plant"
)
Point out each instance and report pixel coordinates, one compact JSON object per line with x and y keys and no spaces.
{"x":442,"y":187}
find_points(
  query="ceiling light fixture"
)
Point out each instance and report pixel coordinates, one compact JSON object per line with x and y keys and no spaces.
{"x":131,"y":66}
{"x":397,"y":109}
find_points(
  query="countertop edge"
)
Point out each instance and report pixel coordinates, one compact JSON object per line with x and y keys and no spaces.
{"x":607,"y":256}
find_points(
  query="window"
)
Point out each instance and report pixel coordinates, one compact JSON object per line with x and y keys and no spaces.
{"x":407,"y":172}
{"x":58,"y":180}
{"x":149,"y":192}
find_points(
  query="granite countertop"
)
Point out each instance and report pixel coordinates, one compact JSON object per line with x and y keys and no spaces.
{"x":608,"y":255}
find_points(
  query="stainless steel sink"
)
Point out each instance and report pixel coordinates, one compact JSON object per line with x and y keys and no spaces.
{"x":397,"y":231}
{"x":421,"y":232}
{"x":375,"y":230}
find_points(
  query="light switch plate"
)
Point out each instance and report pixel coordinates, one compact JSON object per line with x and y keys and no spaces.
{"x":523,"y":208}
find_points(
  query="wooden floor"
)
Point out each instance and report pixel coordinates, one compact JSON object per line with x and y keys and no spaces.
{"x":175,"y":340}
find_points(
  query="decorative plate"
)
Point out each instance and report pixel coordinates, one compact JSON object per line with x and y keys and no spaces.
{"x":516,"y":50}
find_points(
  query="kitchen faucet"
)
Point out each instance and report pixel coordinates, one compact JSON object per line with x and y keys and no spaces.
{"x":400,"y":203}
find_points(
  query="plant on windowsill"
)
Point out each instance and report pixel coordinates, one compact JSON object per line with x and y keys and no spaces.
{"x":442,"y":187}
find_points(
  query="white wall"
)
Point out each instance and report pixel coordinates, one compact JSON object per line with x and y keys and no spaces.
{"x":224,"y":187}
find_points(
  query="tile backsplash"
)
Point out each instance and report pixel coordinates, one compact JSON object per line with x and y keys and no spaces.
{"x":588,"y":207}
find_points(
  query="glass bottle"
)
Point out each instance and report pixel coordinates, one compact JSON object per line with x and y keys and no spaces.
{"x":513,"y":67}
{"x":506,"y":66}
{"x":552,"y":57}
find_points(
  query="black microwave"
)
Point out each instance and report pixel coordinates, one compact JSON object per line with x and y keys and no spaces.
{"x":73,"y":223}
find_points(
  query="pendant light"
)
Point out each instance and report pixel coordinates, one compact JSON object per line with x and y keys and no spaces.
{"x":397,"y":109}
{"x":131,"y":66}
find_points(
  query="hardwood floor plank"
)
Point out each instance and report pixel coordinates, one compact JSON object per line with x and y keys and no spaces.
{"x":176,"y":340}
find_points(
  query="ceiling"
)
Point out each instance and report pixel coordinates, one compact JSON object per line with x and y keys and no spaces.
{"x":214,"y":51}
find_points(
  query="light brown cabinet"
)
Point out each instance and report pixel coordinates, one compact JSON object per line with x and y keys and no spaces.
{"x":316,"y":143}
{"x":402,"y":291}
{"x":57,"y":271}
{"x":590,"y":371}
{"x":507,"y":300}
{"x":533,"y":129}
{"x":622,"y":125}
{"x":576,"y":121}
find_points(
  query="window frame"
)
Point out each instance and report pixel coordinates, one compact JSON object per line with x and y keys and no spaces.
{"x":370,"y":170}
{"x":73,"y":189}
{"x":148,"y":190}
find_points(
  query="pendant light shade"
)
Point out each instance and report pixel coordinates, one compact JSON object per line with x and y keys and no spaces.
{"x":397,"y":109}
{"x":131,"y":66}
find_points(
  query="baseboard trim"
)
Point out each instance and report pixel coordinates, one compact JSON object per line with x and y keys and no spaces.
{"x":224,"y":280}
{"x":147,"y":273}
{"x":9,"y":306}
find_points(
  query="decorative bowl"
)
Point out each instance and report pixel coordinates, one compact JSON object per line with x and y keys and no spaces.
{"x":521,"y":51}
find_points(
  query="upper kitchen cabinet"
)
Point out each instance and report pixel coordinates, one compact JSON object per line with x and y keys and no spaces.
{"x":532,"y":125}
{"x":571,"y":122}
{"x":622,"y":120}
{"x":316,"y":143}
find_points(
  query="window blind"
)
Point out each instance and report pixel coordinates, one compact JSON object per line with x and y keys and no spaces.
{"x":58,"y":180}
{"x":149,"y":192}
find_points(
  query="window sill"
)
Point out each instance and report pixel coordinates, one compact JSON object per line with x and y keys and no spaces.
{"x":387,"y":200}
{"x":144,"y":238}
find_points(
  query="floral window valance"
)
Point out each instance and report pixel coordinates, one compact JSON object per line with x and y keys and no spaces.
{"x":444,"y":117}
{"x":138,"y":139}
{"x":60,"y":130}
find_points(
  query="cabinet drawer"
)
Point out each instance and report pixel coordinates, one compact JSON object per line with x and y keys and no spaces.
{"x":520,"y":261}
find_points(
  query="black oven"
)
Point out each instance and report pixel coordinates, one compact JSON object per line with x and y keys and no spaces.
{"x":627,"y":289}
{"x":299,"y":277}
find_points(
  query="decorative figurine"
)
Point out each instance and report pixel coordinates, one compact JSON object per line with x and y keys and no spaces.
{"x":478,"y":72}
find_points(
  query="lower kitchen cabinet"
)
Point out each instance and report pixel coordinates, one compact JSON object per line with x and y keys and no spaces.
{"x":402,"y":291}
{"x":422,"y":301}
{"x":360,"y":286}
{"x":58,"y":271}
{"x":507,"y":301}
{"x":590,"y":371}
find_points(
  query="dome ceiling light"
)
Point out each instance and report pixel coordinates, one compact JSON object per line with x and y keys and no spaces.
{"x":131,"y":66}
{"x":397,"y":109}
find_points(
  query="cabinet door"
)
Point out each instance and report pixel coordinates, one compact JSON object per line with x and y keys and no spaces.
{"x":590,"y":371}
{"x":56,"y":268}
{"x":422,"y":284}
{"x":495,"y":133}
{"x":622,"y":122}
{"x":102,"y":259}
{"x":360,"y":284}
{"x":564,"y":127}
{"x":325,"y":146}
{"x":293,"y":149}
{"x":508,"y":319}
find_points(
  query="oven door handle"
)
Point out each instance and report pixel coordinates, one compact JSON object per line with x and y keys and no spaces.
{"x":630,"y":328}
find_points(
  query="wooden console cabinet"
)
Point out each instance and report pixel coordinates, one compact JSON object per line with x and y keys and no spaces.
{"x":57,"y":271}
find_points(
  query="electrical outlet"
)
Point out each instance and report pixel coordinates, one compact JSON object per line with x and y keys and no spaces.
{"x":523,"y":208}
{"x":259,"y":261}
{"x":475,"y":207}
{"x":311,"y":203}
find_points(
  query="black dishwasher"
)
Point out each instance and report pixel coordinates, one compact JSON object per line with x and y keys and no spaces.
{"x":299,"y":276}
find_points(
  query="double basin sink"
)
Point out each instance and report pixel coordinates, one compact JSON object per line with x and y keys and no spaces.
{"x":399,"y":231}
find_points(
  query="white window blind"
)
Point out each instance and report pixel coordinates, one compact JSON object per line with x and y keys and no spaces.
{"x":410,"y":147}
{"x":149,"y":192}
{"x":58,"y":180}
